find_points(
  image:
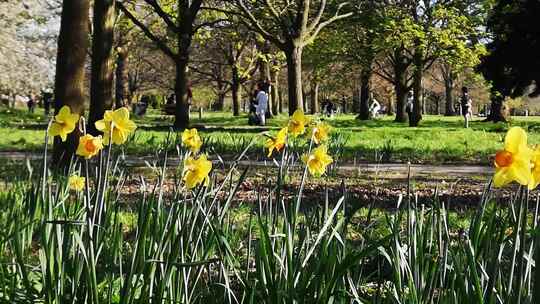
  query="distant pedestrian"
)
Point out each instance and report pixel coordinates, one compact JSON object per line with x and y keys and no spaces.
{"x":375,"y":108}
{"x":31,"y":103}
{"x":253,"y":119}
{"x":46,"y":98}
{"x":262,"y":103}
{"x":466,"y":105}
{"x":171,"y":100}
{"x":409,"y":107}
{"x":328,"y":107}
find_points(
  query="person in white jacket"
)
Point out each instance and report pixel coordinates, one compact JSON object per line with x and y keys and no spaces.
{"x":262,"y":103}
{"x":375,"y":108}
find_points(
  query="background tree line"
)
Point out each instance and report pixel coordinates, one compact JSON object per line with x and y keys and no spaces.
{"x":112,"y":52}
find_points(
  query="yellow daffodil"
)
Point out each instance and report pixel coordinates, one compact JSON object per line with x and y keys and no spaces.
{"x":514,"y":162}
{"x":320,"y":133}
{"x":535,"y":177}
{"x":192,"y":140}
{"x":196,"y":171}
{"x":64,"y":123}
{"x":122,"y":126}
{"x":76,"y":182}
{"x":89,"y":146}
{"x":297,"y":123}
{"x":278,"y":142}
{"x":317,"y":161}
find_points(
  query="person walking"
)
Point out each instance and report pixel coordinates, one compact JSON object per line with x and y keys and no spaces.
{"x":31,"y":103}
{"x":262,"y":103}
{"x":409,"y":107}
{"x":46,"y":97}
{"x":375,"y":108}
{"x":466,"y":105}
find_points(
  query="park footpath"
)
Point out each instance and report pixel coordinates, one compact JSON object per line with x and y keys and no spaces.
{"x":397,"y":169}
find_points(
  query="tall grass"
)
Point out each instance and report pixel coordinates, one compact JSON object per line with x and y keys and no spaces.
{"x":59,"y":246}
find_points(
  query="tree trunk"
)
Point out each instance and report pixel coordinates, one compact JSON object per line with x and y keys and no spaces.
{"x":365,"y":77}
{"x":181,"y":119}
{"x":122,"y":79}
{"x":417,"y":89}
{"x":497,"y":109}
{"x":69,"y":82}
{"x":267,"y":78}
{"x":314,"y":97}
{"x":275,"y":93}
{"x":448,"y":77}
{"x":101,"y":86}
{"x":280,"y":98}
{"x":304,"y":101}
{"x":357,"y":92}
{"x":390,"y":110}
{"x":235,"y":87}
{"x":401,"y":85}
{"x":294,"y":78}
{"x":220,"y":103}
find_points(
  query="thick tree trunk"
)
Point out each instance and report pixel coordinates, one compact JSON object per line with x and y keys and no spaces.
{"x":122,"y":95}
{"x":101,"y":86}
{"x":365,"y":77}
{"x":357,"y":92}
{"x":497,"y":109}
{"x":235,"y":91}
{"x":417,"y":89}
{"x":401,"y":85}
{"x":401,"y":100}
{"x":69,"y":82}
{"x":314,"y":97}
{"x":181,"y":119}
{"x":220,"y":103}
{"x":294,"y":78}
{"x":390,"y":110}
{"x":448,"y":77}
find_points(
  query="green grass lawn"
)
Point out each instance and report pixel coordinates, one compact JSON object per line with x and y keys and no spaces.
{"x":438,"y":140}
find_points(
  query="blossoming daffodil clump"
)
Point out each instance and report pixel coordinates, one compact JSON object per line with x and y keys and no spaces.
{"x":196,"y":171}
{"x":121,"y":126}
{"x":317,"y":161}
{"x":89,"y":146}
{"x":64,"y":123}
{"x":192,"y":140}
{"x":514,"y":162}
{"x":278,"y":142}
{"x":297,"y":123}
{"x":320,"y":132}
{"x":76,"y":182}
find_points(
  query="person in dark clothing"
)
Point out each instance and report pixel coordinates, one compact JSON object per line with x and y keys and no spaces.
{"x":31,"y":103}
{"x":253,"y":119}
{"x":46,"y":97}
{"x":171,"y":99}
{"x":466,"y":105}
